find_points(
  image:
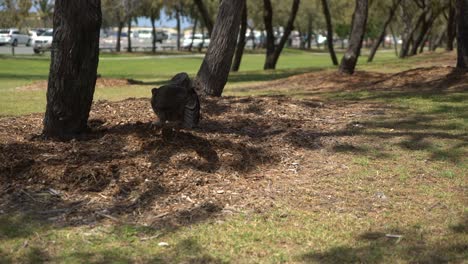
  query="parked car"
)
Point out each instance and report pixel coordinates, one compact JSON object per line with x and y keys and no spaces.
{"x":198,"y":41}
{"x":33,"y":34}
{"x":43,"y":42}
{"x":148,"y":34}
{"x":13,"y":36}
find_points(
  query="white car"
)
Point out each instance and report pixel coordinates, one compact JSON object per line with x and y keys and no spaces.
{"x":33,"y":34}
{"x":43,"y":42}
{"x":13,"y":36}
{"x":198,"y":40}
{"x":148,"y":34}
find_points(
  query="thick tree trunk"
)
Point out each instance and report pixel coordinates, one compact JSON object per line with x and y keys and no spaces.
{"x":272,"y":58}
{"x":129,"y":35}
{"x":119,"y":37}
{"x":331,"y":49}
{"x":153,"y":26}
{"x":462,"y":34}
{"x":381,"y":37}
{"x":350,"y":58}
{"x":241,"y":42}
{"x":214,"y":71}
{"x":451,"y":26}
{"x":73,"y":67}
{"x":205,"y":15}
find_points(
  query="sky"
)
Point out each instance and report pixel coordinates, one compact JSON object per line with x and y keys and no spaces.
{"x":164,"y":21}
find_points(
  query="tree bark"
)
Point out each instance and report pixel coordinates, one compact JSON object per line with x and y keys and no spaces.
{"x":451,"y":26}
{"x":178,"y":27}
{"x":205,"y":15}
{"x":153,"y":26}
{"x":119,"y":37}
{"x":350,"y":58}
{"x":194,"y":29}
{"x":270,"y":35}
{"x":129,"y":35}
{"x":381,"y":37}
{"x":273,"y":52}
{"x":73,"y":67}
{"x":214,"y":71}
{"x":408,"y":36}
{"x":331,"y":49}
{"x":462,"y":34}
{"x":241,"y":42}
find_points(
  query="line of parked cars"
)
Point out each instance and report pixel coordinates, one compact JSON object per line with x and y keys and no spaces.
{"x":39,"y":39}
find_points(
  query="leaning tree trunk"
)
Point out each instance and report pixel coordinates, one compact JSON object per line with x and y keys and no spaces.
{"x":73,"y":67}
{"x":350,"y":58}
{"x":451,"y":26}
{"x":331,"y":49}
{"x":462,"y":34}
{"x":214,"y":71}
{"x":272,"y":58}
{"x":381,"y":38}
{"x":241,"y":42}
{"x":205,"y":15}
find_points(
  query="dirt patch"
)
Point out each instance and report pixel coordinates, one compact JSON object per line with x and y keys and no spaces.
{"x":100,"y":83}
{"x":246,"y":154}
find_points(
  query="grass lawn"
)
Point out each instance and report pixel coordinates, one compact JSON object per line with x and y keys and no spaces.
{"x":416,"y":155}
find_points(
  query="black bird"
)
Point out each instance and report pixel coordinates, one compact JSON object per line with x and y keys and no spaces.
{"x":177,"y":102}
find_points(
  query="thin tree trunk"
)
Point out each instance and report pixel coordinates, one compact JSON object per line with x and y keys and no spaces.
{"x":426,"y":26}
{"x":462,"y":34}
{"x":395,"y":41}
{"x":205,"y":15}
{"x":309,"y":31}
{"x":178,"y":27}
{"x":350,"y":58}
{"x":451,"y":26}
{"x":119,"y":36}
{"x":194,"y":29}
{"x":214,"y":71}
{"x":331,"y":49}
{"x":381,"y":37}
{"x":153,"y":26}
{"x":73,"y":67}
{"x":270,"y":37}
{"x":437,"y":41}
{"x":409,"y":34}
{"x":129,"y":35}
{"x":423,"y":44}
{"x":272,"y":59}
{"x":241,"y":43}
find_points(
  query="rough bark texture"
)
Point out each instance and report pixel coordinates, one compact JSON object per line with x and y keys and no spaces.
{"x":73,"y":67}
{"x":241,"y":42}
{"x":205,"y":15}
{"x":462,"y":34}
{"x":273,"y":52}
{"x":381,"y":38}
{"x":331,"y":49}
{"x":214,"y":71}
{"x":350,"y":58}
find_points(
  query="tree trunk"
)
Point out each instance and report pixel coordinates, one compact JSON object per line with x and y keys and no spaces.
{"x":426,"y":26}
{"x":178,"y":27}
{"x":194,"y":29}
{"x":153,"y":26}
{"x":395,"y":41}
{"x":409,"y":34}
{"x":350,"y":58}
{"x":436,"y":43}
{"x":423,"y":44}
{"x":451,"y":26}
{"x":309,"y":31}
{"x":331,"y":49}
{"x":129,"y":35}
{"x":462,"y":34}
{"x":270,"y":37}
{"x":205,"y":15}
{"x":241,"y":43}
{"x":272,"y":58}
{"x":214,"y":71}
{"x":119,"y":36}
{"x":381,"y":37}
{"x":73,"y":67}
